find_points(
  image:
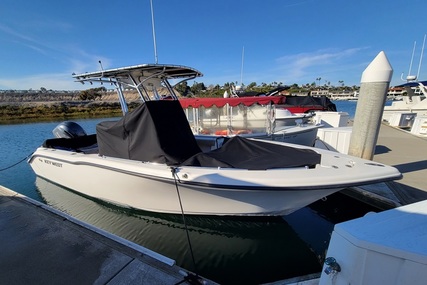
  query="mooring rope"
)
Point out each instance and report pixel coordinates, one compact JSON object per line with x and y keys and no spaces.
{"x":324,"y":144}
{"x":191,"y":278}
{"x":15,"y":164}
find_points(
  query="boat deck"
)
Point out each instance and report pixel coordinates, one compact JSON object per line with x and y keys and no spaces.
{"x":40,"y":245}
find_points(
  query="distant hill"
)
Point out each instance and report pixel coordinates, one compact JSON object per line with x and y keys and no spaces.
{"x":53,"y":97}
{"x":16,"y":97}
{"x":17,"y":106}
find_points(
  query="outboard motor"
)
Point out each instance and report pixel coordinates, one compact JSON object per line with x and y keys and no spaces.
{"x":68,"y":130}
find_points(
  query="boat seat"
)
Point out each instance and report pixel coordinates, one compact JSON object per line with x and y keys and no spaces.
{"x":85,"y":144}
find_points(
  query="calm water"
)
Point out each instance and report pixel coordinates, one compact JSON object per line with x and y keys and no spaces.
{"x":346,"y":106}
{"x":227,"y":250}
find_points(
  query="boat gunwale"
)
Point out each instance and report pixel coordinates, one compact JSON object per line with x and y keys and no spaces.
{"x":211,"y":186}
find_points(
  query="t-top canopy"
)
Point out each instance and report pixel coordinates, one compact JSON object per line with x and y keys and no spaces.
{"x":137,"y":73}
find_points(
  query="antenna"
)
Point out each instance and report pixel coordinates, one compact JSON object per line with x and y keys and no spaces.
{"x":411,"y":77}
{"x":415,"y":77}
{"x":241,"y":70}
{"x":100,"y":63}
{"x":421,"y":56}
{"x":102,"y":69}
{"x":154,"y":32}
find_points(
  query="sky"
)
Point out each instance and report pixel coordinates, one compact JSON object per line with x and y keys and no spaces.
{"x":286,"y":41}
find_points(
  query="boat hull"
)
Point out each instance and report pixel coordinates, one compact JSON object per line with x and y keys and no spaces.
{"x":159,"y":192}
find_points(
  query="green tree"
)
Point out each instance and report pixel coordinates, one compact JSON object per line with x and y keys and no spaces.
{"x":197,"y":88}
{"x":183,"y":88}
{"x":251,"y":86}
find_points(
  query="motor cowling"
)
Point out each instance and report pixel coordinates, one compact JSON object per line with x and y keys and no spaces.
{"x":68,"y":130}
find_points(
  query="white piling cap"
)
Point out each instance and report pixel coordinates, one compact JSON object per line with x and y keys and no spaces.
{"x":379,"y":70}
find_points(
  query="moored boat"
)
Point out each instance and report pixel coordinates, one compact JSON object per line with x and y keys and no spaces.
{"x":150,"y":159}
{"x":254,"y":117}
{"x":413,"y":102}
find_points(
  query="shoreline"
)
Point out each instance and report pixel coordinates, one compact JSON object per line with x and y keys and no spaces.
{"x":27,"y":112}
{"x":39,"y":107}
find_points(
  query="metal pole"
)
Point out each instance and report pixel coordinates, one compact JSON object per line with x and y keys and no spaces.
{"x":421,"y":57}
{"x":154,"y":32}
{"x":241,"y":69}
{"x":370,"y":106}
{"x":412,"y":59}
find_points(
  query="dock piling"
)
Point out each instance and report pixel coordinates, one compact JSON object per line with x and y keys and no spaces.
{"x":370,"y":106}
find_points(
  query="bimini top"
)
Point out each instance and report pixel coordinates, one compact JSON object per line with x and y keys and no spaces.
{"x":137,"y":73}
{"x":234,"y":101}
{"x":295,"y":104}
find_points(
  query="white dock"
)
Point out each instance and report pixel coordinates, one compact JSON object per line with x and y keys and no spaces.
{"x":408,"y":153}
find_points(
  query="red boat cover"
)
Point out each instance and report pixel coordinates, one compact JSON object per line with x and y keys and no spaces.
{"x":221,"y":102}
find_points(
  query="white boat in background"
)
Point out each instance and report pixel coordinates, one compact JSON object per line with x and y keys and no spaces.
{"x":403,"y":113}
{"x":256,"y":117}
{"x":150,"y":159}
{"x":266,"y":116}
{"x":413,"y":103}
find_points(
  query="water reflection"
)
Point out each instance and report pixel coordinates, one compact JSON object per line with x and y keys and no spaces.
{"x":227,"y":250}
